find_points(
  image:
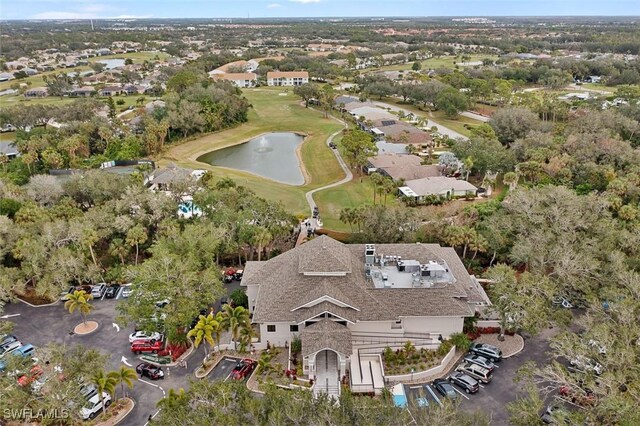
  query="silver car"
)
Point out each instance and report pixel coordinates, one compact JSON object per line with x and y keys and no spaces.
{"x":480,"y":360}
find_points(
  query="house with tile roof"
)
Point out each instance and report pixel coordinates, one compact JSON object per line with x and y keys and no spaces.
{"x":340,"y":299}
{"x":287,"y":78}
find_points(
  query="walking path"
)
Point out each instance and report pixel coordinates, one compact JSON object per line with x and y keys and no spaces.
{"x":475,"y":116}
{"x":440,"y":128}
{"x":313,"y":223}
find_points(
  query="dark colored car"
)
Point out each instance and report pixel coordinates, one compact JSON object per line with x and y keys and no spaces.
{"x":237,"y":276}
{"x":445,"y":389}
{"x":243,"y":369}
{"x":150,"y":371}
{"x":490,"y":352}
{"x":332,"y":145}
{"x":146,"y":346}
{"x":466,"y":382}
{"x":112,"y":291}
{"x":480,"y":360}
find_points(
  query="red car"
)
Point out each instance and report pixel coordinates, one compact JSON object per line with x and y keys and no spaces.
{"x":243,"y":369}
{"x":582,"y":397}
{"x":30,"y":377}
{"x":145,"y":346}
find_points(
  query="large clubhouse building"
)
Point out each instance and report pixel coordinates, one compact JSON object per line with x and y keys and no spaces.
{"x":344,"y":299}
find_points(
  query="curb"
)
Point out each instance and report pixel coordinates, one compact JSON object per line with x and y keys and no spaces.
{"x":210,"y":369}
{"x":177,"y":362}
{"x":38,"y":306}
{"x":128,"y":412}
{"x":519,"y":350}
{"x":88,"y":333}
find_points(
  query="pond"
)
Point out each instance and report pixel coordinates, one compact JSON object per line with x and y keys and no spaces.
{"x":112,"y":63}
{"x":272,"y":155}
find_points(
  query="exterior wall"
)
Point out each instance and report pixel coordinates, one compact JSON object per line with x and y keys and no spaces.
{"x":418,"y":325}
{"x":287,"y":81}
{"x":387,"y":327}
{"x":423,"y":375}
{"x":281,"y":336}
{"x":244,"y":83}
{"x":440,"y":325}
{"x":252,"y":294}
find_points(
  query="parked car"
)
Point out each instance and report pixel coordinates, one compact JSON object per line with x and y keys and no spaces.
{"x":9,"y":347}
{"x":224,"y":301}
{"x":98,"y":290}
{"x":582,"y":397}
{"x":126,"y":291}
{"x":548,"y":417}
{"x":490,"y":352}
{"x":162,"y":303}
{"x":243,"y":369}
{"x":585,"y":364}
{"x":150,"y":371}
{"x":480,"y":360}
{"x":445,"y":389}
{"x":466,"y":382}
{"x":94,"y":405}
{"x":238,"y":275}
{"x":23,"y":351}
{"x":474,"y":370}
{"x":7,"y":338}
{"x":146,"y":346}
{"x":145,"y":336}
{"x":332,"y":145}
{"x":35,"y":373}
{"x":112,"y":291}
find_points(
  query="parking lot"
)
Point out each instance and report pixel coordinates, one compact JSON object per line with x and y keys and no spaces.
{"x":43,"y":325}
{"x":222,"y":371}
{"x":492,"y":398}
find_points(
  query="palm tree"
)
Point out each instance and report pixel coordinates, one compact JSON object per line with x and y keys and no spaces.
{"x":119,"y":249}
{"x":124,"y":376}
{"x":376,"y":179}
{"x":261,"y":238}
{"x":204,"y":330}
{"x":468,"y":165}
{"x":79,"y":300}
{"x":103,"y":383}
{"x":346,"y":216}
{"x":247,"y":334}
{"x":136,"y":236}
{"x":235,"y":319}
{"x":264,"y":364}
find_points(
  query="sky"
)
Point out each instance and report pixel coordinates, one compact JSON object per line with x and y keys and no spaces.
{"x":96,"y":9}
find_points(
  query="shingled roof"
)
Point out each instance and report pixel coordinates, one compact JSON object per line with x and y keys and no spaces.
{"x":284,"y":288}
{"x":326,"y":334}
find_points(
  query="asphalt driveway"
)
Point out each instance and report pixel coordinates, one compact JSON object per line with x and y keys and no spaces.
{"x":43,"y":325}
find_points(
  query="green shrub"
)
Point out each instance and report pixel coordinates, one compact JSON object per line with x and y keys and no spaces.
{"x":461,"y":341}
{"x":444,"y":348}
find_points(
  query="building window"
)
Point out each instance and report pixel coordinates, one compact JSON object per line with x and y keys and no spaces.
{"x":293,"y":328}
{"x":271,"y":328}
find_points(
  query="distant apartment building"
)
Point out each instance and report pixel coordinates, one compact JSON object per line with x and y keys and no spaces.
{"x":290,"y":78}
{"x":240,"y":79}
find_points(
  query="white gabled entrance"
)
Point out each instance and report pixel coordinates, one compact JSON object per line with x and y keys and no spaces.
{"x":327,"y":374}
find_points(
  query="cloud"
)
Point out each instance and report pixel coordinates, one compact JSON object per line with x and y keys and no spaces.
{"x":305,"y":1}
{"x":274,"y":6}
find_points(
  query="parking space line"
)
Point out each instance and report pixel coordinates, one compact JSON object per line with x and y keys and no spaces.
{"x":433,"y":395}
{"x":480,"y":385}
{"x":415,"y":387}
{"x":460,"y":392}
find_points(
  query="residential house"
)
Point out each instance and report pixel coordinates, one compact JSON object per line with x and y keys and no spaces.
{"x":287,"y":78}
{"x":134,"y":89}
{"x":340,"y":299}
{"x":440,"y":185}
{"x":9,"y":149}
{"x":36,"y":92}
{"x":111,"y":91}
{"x":83,"y":92}
{"x":404,"y":133}
{"x":6,"y":76}
{"x":401,"y":167}
{"x":240,"y":79}
{"x":163,"y":179}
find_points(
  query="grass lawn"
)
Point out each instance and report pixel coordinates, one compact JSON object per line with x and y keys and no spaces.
{"x":8,"y":136}
{"x":271,"y":113}
{"x":351,"y":194}
{"x":435,"y":63}
{"x":598,"y":86}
